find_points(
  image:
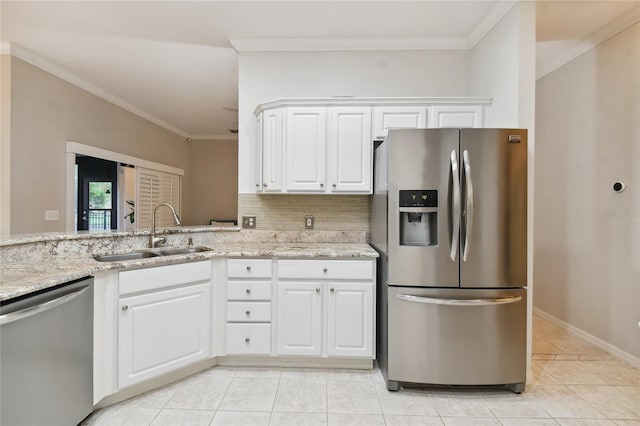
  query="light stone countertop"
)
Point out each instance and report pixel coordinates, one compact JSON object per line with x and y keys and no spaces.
{"x":20,"y":278}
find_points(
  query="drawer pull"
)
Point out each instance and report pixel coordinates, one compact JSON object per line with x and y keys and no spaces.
{"x":248,"y":268}
{"x":317,"y":290}
{"x":247,"y":340}
{"x":247,"y":313}
{"x":125,"y":308}
{"x":324,"y":270}
{"x":333,"y":290}
{"x":248,"y":291}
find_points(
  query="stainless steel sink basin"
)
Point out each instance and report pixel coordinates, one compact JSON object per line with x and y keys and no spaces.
{"x":168,"y":251}
{"x":125,"y":256}
{"x":163,"y":251}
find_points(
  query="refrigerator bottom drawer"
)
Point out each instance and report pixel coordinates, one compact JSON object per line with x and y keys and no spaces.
{"x":457,"y":336}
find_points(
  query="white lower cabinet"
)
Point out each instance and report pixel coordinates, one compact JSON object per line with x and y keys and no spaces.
{"x":164,"y":320}
{"x":326,"y":308}
{"x":248,"y":339}
{"x":350,"y":319}
{"x":299,"y":318}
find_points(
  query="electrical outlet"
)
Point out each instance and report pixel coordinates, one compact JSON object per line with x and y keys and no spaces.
{"x":249,"y":222}
{"x":308,"y":222}
{"x":52,"y":215}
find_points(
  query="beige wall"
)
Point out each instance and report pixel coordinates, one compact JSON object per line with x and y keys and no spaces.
{"x":46,"y":113}
{"x":587,"y":237}
{"x":5,"y":144}
{"x":213,"y":181}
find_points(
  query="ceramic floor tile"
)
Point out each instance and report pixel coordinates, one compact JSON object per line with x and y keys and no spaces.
{"x":121,"y":415}
{"x":397,"y":420}
{"x":632,"y":391}
{"x":258,"y":372}
{"x":220,"y":371}
{"x":250,"y":394}
{"x":614,"y":372}
{"x":585,"y":422}
{"x":610,"y":401}
{"x":241,"y":418}
{"x":406,"y":402}
{"x":515,"y":421}
{"x":355,"y":397}
{"x":204,"y":392}
{"x":353,"y":375}
{"x":470,"y":421}
{"x":560,"y":401}
{"x":512,"y":405}
{"x":356,"y":420}
{"x":463,"y":406}
{"x":173,"y":417}
{"x":303,"y":373}
{"x":571,"y":372}
{"x":627,"y":422}
{"x":298,"y":419}
{"x":301,"y":395}
{"x":154,"y":399}
{"x":540,"y":375}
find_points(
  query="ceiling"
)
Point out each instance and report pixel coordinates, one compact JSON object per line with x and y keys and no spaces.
{"x":176,"y":62}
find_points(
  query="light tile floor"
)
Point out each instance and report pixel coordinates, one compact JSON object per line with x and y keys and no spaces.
{"x":574,"y":383}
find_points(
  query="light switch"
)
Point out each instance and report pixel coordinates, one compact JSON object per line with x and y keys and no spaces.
{"x":308,"y":222}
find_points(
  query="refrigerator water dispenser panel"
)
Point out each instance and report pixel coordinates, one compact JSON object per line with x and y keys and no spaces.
{"x":418,"y":217}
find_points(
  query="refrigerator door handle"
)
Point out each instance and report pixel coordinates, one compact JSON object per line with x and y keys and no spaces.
{"x":458,"y":302}
{"x":455,"y":233}
{"x":466,"y":165}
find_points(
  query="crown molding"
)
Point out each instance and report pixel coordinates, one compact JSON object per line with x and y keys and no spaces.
{"x":348,"y":44}
{"x":497,"y":12}
{"x":52,"y":68}
{"x":363,"y":101}
{"x":581,"y":46}
{"x":215,"y":137}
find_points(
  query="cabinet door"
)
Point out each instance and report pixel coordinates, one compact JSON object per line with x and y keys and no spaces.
{"x":350,"y":319}
{"x":455,"y":116}
{"x":272,"y":138}
{"x":305,"y":147}
{"x":258,"y":153}
{"x":401,"y":117}
{"x":351,"y":149}
{"x":161,"y":331}
{"x":299,"y":327}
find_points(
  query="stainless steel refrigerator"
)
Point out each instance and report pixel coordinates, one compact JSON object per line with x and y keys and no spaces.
{"x":449,"y":219}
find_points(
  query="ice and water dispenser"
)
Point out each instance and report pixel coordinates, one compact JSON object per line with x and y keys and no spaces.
{"x":418,"y":211}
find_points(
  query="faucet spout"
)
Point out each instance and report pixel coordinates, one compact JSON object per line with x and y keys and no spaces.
{"x":153,"y":240}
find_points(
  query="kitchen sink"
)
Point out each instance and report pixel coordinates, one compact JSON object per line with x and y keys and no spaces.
{"x":162,"y":251}
{"x":125,"y":256}
{"x":168,"y":251}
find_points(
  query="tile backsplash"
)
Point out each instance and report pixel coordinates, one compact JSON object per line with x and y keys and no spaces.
{"x":330,"y":212}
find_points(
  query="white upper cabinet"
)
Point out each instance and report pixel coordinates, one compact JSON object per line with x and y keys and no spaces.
{"x":398,"y":117}
{"x":325,"y":145}
{"x":350,"y":145}
{"x":271,"y":151}
{"x":305,"y":145}
{"x":455,"y":116}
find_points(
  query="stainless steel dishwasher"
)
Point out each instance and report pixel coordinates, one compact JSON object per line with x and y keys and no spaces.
{"x":46,"y":356}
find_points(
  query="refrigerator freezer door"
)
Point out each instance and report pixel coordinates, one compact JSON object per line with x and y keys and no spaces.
{"x":494,"y":166}
{"x":421,"y":160}
{"x":457,"y":337}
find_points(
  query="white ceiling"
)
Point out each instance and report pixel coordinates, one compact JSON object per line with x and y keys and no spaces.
{"x":174,"y":62}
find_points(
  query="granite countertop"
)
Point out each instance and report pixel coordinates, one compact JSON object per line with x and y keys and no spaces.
{"x":20,"y":278}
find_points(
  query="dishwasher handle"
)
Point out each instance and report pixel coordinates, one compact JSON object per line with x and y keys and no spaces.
{"x":42,"y":307}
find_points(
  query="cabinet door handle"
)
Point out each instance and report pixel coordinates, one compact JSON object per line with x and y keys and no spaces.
{"x":248,"y":291}
{"x":317,"y":290}
{"x":322,"y":185}
{"x":264,"y":184}
{"x":324,"y":270}
{"x":247,"y":313}
{"x":125,"y":308}
{"x":248,"y":268}
{"x":333,"y":290}
{"x":247,"y":340}
{"x":334,"y":185}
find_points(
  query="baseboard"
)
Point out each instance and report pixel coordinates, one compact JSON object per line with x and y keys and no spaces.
{"x":296,"y":362}
{"x":590,"y":338}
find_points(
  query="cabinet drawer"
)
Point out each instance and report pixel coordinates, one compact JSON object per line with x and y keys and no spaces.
{"x":249,"y":268}
{"x":159,"y":277}
{"x":249,"y":290}
{"x":248,"y":311}
{"x":326,"y":269}
{"x":253,"y":339}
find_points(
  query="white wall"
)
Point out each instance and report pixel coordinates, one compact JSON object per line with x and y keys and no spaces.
{"x":503,"y":66}
{"x":587,"y":253}
{"x":265,"y":76}
{"x":5,"y":145}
